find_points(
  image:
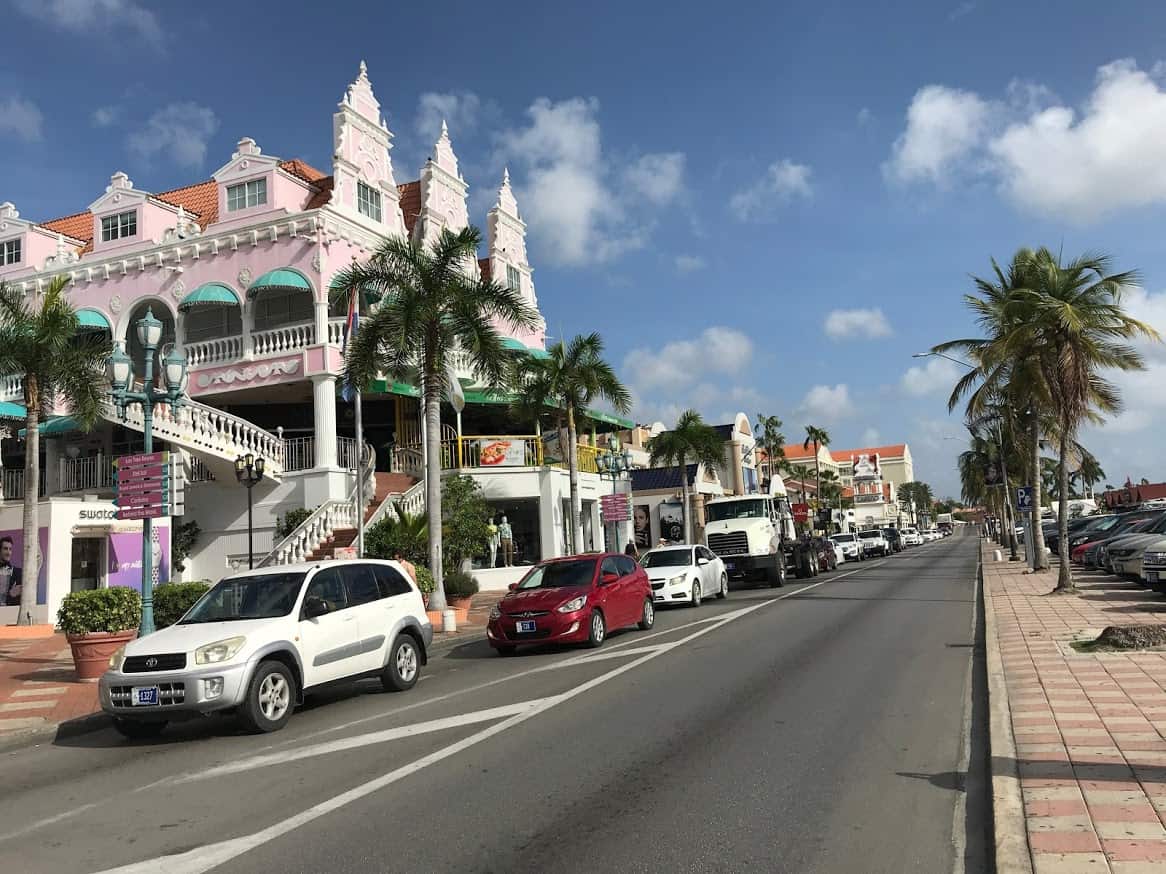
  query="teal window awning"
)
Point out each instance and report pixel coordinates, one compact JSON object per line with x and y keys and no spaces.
{"x":513,"y":345}
{"x":12,"y":411}
{"x":280,"y":279}
{"x":55,"y":425}
{"x":541,"y":354}
{"x":210,"y":294}
{"x":93,"y":320}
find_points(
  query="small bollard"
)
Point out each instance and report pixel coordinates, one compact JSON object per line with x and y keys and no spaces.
{"x":448,"y":620}
{"x":997,"y":555}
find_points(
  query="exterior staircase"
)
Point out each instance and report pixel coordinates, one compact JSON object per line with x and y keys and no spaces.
{"x":388,"y":486}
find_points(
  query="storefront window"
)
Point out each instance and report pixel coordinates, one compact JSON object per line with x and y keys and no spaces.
{"x":523,"y":518}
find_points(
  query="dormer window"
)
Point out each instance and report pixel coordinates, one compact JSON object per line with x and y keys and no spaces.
{"x":10,"y":252}
{"x":368,"y":201}
{"x":513,"y":278}
{"x":120,"y":226}
{"x":246,"y":195}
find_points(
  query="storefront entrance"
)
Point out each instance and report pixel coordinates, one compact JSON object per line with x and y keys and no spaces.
{"x":522,"y":514}
{"x":87,"y":562}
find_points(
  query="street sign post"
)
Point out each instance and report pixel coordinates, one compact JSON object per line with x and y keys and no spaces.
{"x":1024,"y":499}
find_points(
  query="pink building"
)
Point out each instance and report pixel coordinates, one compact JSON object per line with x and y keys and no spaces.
{"x":237,"y":267}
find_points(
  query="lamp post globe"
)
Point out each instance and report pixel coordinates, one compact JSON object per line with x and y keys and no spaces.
{"x":149,"y":330}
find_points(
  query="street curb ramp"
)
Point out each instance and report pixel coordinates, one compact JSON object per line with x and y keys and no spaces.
{"x":1009,"y":830}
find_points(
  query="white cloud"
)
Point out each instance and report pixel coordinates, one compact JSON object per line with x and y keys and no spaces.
{"x":460,"y":111}
{"x":104,"y":116}
{"x":21,"y":118}
{"x":869,"y":323}
{"x":864,"y":117}
{"x":944,"y":126}
{"x":84,"y":16}
{"x":871,"y":437}
{"x":180,"y":131}
{"x":659,"y":177}
{"x":689,"y":263}
{"x":682,"y":362}
{"x":566,"y":194}
{"x":965,"y":8}
{"x":824,"y":403}
{"x":782,"y":182}
{"x":938,"y":375}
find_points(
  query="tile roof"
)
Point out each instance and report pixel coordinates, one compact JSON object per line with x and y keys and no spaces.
{"x":201,"y":200}
{"x":323,"y":193}
{"x":895,"y":450}
{"x":652,"y":478}
{"x":484,"y":267}
{"x":796,"y":452}
{"x":410,"y":197}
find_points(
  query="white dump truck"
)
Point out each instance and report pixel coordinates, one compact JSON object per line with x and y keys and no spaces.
{"x":754,"y":535}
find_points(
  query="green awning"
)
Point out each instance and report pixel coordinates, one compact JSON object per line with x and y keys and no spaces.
{"x":12,"y":411}
{"x":513,"y":345}
{"x":93,"y":319}
{"x":55,"y":425}
{"x":610,"y":419}
{"x":210,"y":294}
{"x":535,"y":352}
{"x":282,"y":278}
{"x":371,"y":295}
{"x":381,"y":386}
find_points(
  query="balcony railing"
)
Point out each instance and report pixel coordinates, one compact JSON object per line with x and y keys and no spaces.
{"x":501,"y":451}
{"x":276,"y":341}
{"x":300,"y":453}
{"x":12,"y":388}
{"x":221,"y":350}
{"x":85,"y":474}
{"x":12,"y":484}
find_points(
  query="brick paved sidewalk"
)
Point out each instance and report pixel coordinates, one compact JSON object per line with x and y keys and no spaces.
{"x":1090,"y":729}
{"x":38,"y":687}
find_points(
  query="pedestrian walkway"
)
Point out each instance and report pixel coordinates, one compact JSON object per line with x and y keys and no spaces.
{"x":38,"y":687}
{"x":1089,"y":729}
{"x":474,"y":628}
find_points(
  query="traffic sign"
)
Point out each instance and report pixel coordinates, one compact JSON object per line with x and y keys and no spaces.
{"x":1024,"y":498}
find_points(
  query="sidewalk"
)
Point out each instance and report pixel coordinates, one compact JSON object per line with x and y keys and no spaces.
{"x":1089,"y":729}
{"x":39,"y":689}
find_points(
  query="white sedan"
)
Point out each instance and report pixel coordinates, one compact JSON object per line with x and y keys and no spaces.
{"x":850,"y":545}
{"x":685,"y":574}
{"x":911,"y":537}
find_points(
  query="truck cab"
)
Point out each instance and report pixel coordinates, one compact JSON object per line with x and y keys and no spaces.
{"x":747,"y":532}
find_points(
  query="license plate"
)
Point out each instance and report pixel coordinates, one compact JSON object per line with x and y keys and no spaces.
{"x":730,"y":565}
{"x":525,"y":626}
{"x":1151,"y":576}
{"x":145,"y":696}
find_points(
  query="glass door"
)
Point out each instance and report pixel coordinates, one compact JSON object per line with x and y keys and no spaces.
{"x":86,"y":563}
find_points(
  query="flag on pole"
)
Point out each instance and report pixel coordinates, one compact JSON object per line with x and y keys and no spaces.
{"x":351,"y":324}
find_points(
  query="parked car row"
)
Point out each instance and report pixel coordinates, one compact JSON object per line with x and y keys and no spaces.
{"x":877,"y":542}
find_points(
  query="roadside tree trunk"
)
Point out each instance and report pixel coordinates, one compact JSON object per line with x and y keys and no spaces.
{"x":432,"y":401}
{"x":1065,"y":577}
{"x":576,"y":545}
{"x":686,"y":514}
{"x":29,"y":573}
{"x":1038,"y":534}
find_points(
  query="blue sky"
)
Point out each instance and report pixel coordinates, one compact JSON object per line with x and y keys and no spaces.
{"x":761,"y":206}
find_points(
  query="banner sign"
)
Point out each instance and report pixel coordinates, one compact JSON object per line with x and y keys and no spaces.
{"x":501,"y":453}
{"x":801,"y":512}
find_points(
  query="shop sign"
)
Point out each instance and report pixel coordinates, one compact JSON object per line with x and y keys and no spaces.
{"x":868,"y":499}
{"x":615,"y":507}
{"x":501,"y":453}
{"x":801,"y":513}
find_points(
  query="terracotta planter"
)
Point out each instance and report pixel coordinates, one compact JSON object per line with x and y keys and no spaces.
{"x":425,"y":599}
{"x":460,"y":602}
{"x":91,"y":651}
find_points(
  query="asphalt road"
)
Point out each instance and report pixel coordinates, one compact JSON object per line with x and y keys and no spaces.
{"x":813,"y":728}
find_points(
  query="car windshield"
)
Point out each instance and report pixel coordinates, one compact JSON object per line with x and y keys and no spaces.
{"x":560,"y":575}
{"x":1102,"y":523}
{"x":262,"y":596}
{"x":735,"y":510}
{"x":868,"y":535}
{"x":909,"y":531}
{"x":668,"y":558}
{"x":843,"y":538}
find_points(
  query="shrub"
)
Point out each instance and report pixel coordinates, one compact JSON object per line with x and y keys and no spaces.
{"x":465,"y":520}
{"x":399,"y":532}
{"x":424,"y":579}
{"x":174,"y":599}
{"x":290,"y":521}
{"x":113,"y":609}
{"x":185,"y":537}
{"x":459,"y":584}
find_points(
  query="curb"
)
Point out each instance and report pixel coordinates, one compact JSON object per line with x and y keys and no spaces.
{"x":71,"y":728}
{"x":1008,"y":822}
{"x":443,"y":643}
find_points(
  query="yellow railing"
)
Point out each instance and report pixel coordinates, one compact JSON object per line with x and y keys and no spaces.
{"x":505,"y":450}
{"x":587,"y":454}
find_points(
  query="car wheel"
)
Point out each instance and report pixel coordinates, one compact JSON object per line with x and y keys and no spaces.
{"x":505,"y":650}
{"x":648,"y":615}
{"x":138,"y":730}
{"x":597,"y":630}
{"x":270,"y":698}
{"x":724,"y":592}
{"x":694,"y":597}
{"x":776,"y":576}
{"x":404,"y":666}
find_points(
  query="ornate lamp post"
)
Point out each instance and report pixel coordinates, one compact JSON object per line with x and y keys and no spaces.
{"x":119,"y":369}
{"x":614,"y":463}
{"x":249,"y":471}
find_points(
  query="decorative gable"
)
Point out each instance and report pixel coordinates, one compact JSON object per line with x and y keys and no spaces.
{"x":123,"y":216}
{"x":506,"y":238}
{"x":443,"y":192}
{"x":25,"y":246}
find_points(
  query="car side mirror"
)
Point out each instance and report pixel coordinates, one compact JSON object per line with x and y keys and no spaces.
{"x":702,"y":561}
{"x":607,"y":578}
{"x":314,"y":606}
{"x":513,"y":587}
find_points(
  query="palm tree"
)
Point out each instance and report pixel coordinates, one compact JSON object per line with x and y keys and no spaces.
{"x":573,"y":376}
{"x":690,"y":440}
{"x":770,"y":438}
{"x":819,"y":437}
{"x":431,"y":306}
{"x":1088,"y":472}
{"x":1079,"y":329}
{"x":61,"y":365}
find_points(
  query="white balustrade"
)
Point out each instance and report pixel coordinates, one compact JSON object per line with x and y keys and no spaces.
{"x":12,"y":484}
{"x":12,"y":388}
{"x":336,"y":331}
{"x":220,"y":350}
{"x":411,"y":501}
{"x":407,"y":461}
{"x":346,"y":453}
{"x":85,"y":474}
{"x":286,"y":338}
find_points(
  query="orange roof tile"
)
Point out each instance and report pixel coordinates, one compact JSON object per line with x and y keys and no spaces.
{"x":484,"y":267}
{"x":323,"y":193}
{"x":410,"y":197}
{"x":301,"y":170}
{"x":79,"y":226}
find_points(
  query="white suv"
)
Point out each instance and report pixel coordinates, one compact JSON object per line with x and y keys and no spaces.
{"x":911,"y":537}
{"x":874,"y":542}
{"x":257,"y":641}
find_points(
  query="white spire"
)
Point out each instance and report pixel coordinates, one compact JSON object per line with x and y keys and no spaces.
{"x":443,"y":154}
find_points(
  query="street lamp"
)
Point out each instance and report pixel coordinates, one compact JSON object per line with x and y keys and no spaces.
{"x":249,"y":471}
{"x":119,"y":370}
{"x":613,"y":463}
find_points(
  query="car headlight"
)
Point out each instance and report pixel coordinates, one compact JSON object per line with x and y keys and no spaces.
{"x":573,"y":605}
{"x":676,"y":580}
{"x":117,"y":659}
{"x":219,"y":651}
{"x":495,"y":613}
{"x":1154,"y":558}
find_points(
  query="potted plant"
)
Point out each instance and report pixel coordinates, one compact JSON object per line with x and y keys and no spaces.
{"x":98,"y":622}
{"x":424,"y":582}
{"x":460,"y":588}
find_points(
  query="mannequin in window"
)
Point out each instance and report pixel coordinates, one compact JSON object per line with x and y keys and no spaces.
{"x":506,"y":539}
{"x":492,"y":542}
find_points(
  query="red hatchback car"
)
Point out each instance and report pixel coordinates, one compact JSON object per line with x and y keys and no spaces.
{"x":578,"y":599}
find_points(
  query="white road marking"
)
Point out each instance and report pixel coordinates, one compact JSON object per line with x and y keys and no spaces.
{"x":362,"y":740}
{"x":31,"y":827}
{"x":206,"y":858}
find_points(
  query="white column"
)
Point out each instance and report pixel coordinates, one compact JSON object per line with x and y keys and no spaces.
{"x":322,"y":321}
{"x":324,"y":403}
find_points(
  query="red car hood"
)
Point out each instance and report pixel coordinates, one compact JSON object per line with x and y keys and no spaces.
{"x":540,"y":599}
